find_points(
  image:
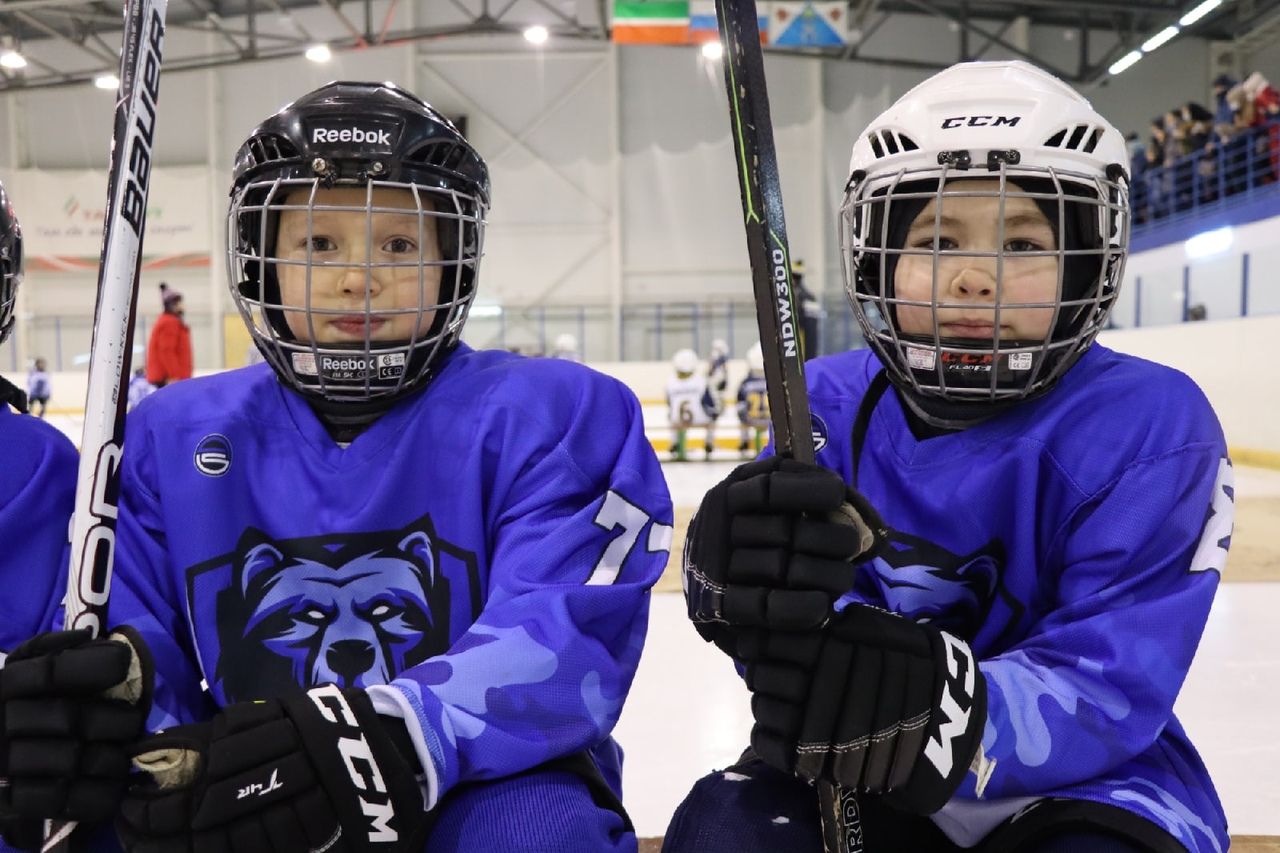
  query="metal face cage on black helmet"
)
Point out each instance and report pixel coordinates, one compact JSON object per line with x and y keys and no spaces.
{"x":984,"y":243}
{"x":354,"y":234}
{"x":10,"y":264}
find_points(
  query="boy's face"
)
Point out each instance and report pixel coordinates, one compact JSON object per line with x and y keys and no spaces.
{"x":967,"y":286}
{"x":352,"y":254}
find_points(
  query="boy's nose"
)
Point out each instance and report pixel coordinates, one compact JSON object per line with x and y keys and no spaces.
{"x":973,"y":283}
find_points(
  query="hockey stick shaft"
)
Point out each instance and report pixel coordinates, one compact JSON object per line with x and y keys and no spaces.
{"x":766,"y":232}
{"x":93,"y":522}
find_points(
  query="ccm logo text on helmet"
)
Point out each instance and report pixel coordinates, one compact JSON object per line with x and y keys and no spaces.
{"x":350,"y":134}
{"x":980,"y":121}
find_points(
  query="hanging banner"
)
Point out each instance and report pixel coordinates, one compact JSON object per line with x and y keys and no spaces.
{"x":651,"y":22}
{"x":702,"y":21}
{"x":61,"y":212}
{"x":808,"y":24}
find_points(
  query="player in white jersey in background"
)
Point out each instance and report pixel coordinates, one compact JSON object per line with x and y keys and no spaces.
{"x":39,"y":388}
{"x":686,"y":397}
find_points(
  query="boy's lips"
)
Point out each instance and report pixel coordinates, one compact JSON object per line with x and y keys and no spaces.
{"x":356,"y":324}
{"x":968,"y":329}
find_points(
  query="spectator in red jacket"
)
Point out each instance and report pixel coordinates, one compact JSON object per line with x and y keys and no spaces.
{"x":169,"y":349}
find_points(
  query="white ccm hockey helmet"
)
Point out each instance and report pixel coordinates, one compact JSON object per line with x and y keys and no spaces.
{"x":984,"y":229}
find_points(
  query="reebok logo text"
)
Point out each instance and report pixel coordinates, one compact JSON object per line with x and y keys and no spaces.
{"x":351,"y":134}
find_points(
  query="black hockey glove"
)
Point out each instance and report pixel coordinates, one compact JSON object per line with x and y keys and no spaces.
{"x":885,"y":706}
{"x":70,"y":709}
{"x":309,"y":771}
{"x":773,"y":546}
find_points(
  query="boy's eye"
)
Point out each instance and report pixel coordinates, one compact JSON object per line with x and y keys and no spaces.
{"x":321,"y":244}
{"x":399,"y":246}
{"x":1023,"y":246}
{"x":938,"y":244}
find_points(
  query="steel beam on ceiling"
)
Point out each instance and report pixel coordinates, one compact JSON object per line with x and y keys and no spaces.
{"x":850,"y":51}
{"x":251,"y":21}
{"x":194,"y":63}
{"x":214,"y":19}
{"x":1004,"y":28}
{"x":61,"y":36}
{"x":335,"y":7}
{"x":989,"y":9}
{"x":933,"y":9}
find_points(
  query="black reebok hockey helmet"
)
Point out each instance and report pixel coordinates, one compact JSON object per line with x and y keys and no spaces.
{"x":369,"y":137}
{"x":10,"y":263}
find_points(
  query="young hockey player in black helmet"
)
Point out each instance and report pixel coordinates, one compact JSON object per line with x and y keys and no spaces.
{"x":985,"y":640}
{"x":395,"y":589}
{"x":37,"y":493}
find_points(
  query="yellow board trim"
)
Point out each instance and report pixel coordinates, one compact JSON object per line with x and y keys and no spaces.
{"x":1255,"y":458}
{"x":662,"y":445}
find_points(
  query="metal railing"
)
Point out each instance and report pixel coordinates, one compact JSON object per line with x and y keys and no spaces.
{"x":1202,"y":182}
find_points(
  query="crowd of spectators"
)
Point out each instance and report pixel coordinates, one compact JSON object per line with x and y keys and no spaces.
{"x":1196,"y":155}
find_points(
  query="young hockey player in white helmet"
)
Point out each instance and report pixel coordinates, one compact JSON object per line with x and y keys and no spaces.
{"x":566,"y":347}
{"x":391,"y":590}
{"x":988,"y":648}
{"x":686,"y":394}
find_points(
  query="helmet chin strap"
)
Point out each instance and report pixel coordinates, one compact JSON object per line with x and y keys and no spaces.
{"x":952,"y":414}
{"x":344,"y":421}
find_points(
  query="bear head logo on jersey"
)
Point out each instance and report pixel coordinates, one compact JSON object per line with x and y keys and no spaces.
{"x":928,"y":583}
{"x":354,"y":610}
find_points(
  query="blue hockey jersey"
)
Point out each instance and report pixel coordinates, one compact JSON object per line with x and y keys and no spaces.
{"x":496,"y":537}
{"x":1076,"y":542}
{"x":753,"y":401}
{"x":37,"y":495}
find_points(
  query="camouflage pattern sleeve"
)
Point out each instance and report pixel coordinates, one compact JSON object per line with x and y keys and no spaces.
{"x":580,"y":525}
{"x":1132,"y":574}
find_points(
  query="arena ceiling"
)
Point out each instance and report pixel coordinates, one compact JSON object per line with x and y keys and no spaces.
{"x":68,"y":42}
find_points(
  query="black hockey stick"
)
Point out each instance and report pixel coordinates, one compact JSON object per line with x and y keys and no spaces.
{"x":93,"y":524}
{"x":766,"y":228}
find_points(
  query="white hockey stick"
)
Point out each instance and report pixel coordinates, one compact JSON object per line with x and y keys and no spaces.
{"x":93,"y":525}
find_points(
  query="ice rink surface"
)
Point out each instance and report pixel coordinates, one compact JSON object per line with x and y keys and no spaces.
{"x":688,"y":711}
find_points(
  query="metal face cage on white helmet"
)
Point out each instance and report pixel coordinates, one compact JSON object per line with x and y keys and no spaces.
{"x":354,"y":235}
{"x":10,"y":264}
{"x":1019,"y":147}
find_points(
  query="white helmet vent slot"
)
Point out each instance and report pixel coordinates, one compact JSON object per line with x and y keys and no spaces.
{"x":886,"y":142}
{"x":1080,"y":137}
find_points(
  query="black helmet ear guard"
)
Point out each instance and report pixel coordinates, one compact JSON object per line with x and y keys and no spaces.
{"x":374,"y":137}
{"x":10,"y":264}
